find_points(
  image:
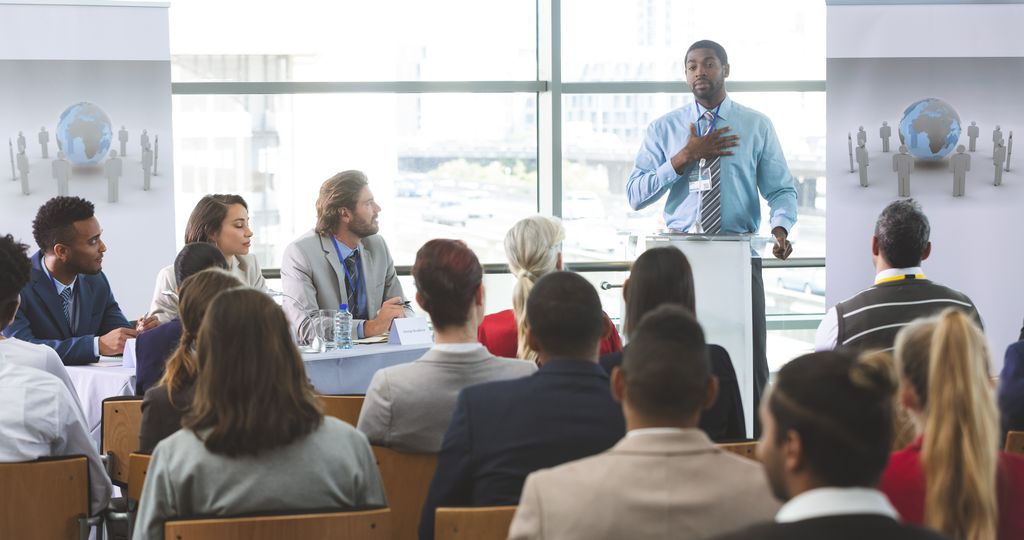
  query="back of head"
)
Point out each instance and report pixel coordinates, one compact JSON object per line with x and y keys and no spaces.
{"x":196,"y":257}
{"x":447,"y":275}
{"x":208,"y":216}
{"x":667,"y":366}
{"x":708,"y":44}
{"x":945,"y":360}
{"x":842,"y":410}
{"x":564,"y":315}
{"x":252,"y":393}
{"x":15,"y":272}
{"x":532,"y":247}
{"x":658,"y":276}
{"x":54,"y":222}
{"x":902,"y":231}
{"x":339,"y":191}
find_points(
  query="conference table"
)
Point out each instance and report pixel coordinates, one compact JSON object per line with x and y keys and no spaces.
{"x":332,"y":372}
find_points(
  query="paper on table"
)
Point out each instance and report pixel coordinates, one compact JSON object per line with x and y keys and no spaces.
{"x":109,"y":361}
{"x":383,"y":338}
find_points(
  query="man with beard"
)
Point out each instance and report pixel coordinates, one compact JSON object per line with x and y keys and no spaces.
{"x":712,"y":157}
{"x":343,"y":261}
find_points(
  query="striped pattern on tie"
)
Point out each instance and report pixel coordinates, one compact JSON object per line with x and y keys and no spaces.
{"x":711,"y":202}
{"x":65,"y":297}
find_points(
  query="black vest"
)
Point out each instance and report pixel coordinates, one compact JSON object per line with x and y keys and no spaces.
{"x":871,"y":319}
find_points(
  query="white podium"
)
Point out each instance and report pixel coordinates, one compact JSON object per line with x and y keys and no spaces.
{"x":721,"y":273}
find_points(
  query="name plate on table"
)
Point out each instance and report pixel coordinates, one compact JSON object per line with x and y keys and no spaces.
{"x":410,"y":331}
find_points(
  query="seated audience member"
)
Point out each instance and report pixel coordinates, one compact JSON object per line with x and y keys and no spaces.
{"x":901,"y":293}
{"x":221,"y":221}
{"x":665,"y":478}
{"x":663,"y":276}
{"x":255,"y":440}
{"x":39,"y":418}
{"x":533,"y":247}
{"x":953,"y":478}
{"x":827,"y":432}
{"x":502,"y":431}
{"x":68,"y":305}
{"x":154,"y":347}
{"x":408,"y":407}
{"x":1011,"y":389}
{"x":15,"y":272}
{"x":343,"y":261}
{"x":165,"y":404}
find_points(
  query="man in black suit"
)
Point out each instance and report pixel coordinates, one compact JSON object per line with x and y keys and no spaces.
{"x":502,"y":431}
{"x":828,"y":428}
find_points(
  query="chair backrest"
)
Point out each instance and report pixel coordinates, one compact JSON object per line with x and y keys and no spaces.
{"x":45,"y":498}
{"x":1015,"y":442}
{"x":138,"y":464}
{"x":406,"y":479}
{"x":368,"y":525}
{"x":121,"y":419}
{"x":745,"y":449}
{"x":344,"y":408}
{"x":487,"y":523}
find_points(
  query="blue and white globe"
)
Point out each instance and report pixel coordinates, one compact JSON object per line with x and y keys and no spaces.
{"x":84,"y":133}
{"x":930,"y":129}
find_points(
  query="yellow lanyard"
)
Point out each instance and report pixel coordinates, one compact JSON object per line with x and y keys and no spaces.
{"x":899,"y":278}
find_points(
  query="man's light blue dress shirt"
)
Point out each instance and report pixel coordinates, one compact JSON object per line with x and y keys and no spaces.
{"x":346,"y":252}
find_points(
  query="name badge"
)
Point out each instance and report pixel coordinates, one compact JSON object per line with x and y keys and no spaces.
{"x":410,"y":331}
{"x":700,"y":178}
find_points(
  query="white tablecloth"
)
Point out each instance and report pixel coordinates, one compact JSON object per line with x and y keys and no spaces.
{"x":96,"y":382}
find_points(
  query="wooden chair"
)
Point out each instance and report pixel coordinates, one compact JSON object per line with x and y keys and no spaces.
{"x":46,"y":498}
{"x":1015,"y":442}
{"x":487,"y":523}
{"x":746,"y":449}
{"x":138,"y":464}
{"x":344,"y":408}
{"x":406,"y":479}
{"x":367,"y":525}
{"x":121,"y":419}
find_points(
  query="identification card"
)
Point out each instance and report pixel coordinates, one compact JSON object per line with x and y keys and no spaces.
{"x":700,"y":178}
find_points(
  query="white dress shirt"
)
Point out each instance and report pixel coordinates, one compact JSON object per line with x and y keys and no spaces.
{"x":828,"y":331}
{"x":833,"y":501}
{"x":38,"y":356}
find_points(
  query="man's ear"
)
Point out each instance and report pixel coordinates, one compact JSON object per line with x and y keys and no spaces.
{"x":725,"y":71}
{"x":711,"y":393}
{"x":531,"y":340}
{"x":61,"y":251}
{"x":793,"y":452}
{"x":625,"y":290}
{"x":618,"y":382}
{"x":480,"y":297}
{"x":927,"y":250}
{"x":419,"y":300}
{"x":874,"y":246}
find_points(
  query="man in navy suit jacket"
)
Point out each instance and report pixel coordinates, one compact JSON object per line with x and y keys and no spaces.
{"x":85,"y":321}
{"x":502,"y":431}
{"x":1011,"y":388}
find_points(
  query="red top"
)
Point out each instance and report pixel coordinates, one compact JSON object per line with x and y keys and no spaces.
{"x":903,"y":483}
{"x":499,"y":334}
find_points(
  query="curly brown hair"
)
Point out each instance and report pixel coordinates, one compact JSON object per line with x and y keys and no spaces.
{"x":15,"y":271}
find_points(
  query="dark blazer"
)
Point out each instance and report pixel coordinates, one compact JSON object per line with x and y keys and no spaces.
{"x":160,"y":416}
{"x":40,"y":318}
{"x":847,"y":527}
{"x":152,"y":350}
{"x":502,"y":431}
{"x":1011,"y":389}
{"x":724,"y":420}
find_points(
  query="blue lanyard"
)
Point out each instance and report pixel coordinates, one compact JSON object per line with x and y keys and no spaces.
{"x":352,"y":286}
{"x":700,"y":116}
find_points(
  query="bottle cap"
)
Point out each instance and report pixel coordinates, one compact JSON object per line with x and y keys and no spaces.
{"x":343,"y":307}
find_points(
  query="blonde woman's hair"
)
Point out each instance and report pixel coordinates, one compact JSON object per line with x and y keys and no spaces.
{"x":945,"y":359}
{"x":532,"y":246}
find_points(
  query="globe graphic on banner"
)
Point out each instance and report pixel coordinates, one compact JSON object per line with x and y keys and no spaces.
{"x":84,"y":133}
{"x":930,"y":129}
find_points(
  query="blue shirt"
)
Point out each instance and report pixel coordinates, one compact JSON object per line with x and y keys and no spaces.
{"x":361,"y":283}
{"x":757,"y":165}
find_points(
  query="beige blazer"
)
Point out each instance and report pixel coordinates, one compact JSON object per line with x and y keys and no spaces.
{"x":653,"y":485}
{"x":312,"y":278}
{"x":244,"y":267}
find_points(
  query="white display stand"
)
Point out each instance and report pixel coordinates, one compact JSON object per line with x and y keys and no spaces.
{"x":721,"y":273}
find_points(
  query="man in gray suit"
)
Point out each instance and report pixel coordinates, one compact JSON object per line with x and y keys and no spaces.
{"x":665,"y":478}
{"x":343,"y":261}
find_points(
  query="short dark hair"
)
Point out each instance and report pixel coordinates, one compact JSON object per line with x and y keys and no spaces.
{"x":54,"y":223}
{"x":564,"y":316}
{"x":447,"y":275}
{"x":208,"y":217}
{"x":708,"y":44}
{"x":659,"y":276}
{"x":15,"y":271}
{"x":195,"y":258}
{"x":902,"y":230}
{"x":667,"y":365}
{"x":842,"y":409}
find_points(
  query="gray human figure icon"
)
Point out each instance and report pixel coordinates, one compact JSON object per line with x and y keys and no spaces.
{"x":885,"y":132}
{"x":998,"y":160}
{"x":849,"y":147}
{"x":997,"y":139}
{"x":156,"y":153}
{"x":122,"y":137}
{"x":23,"y":172}
{"x":62,"y":173}
{"x":1009,"y":150}
{"x":10,"y":148}
{"x":147,"y":167}
{"x":862,"y":136}
{"x":144,"y":140}
{"x":44,"y":142}
{"x":862,"y":164}
{"x":112,"y":169}
{"x":959,"y":163}
{"x":973,"y":132}
{"x":903,"y":165}
{"x":21,"y":142}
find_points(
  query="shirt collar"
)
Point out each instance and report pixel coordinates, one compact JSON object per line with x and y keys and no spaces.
{"x":896,"y":272}
{"x":833,"y":501}
{"x":654,"y":431}
{"x":457,"y":347}
{"x":723,"y":110}
{"x":346,"y":251}
{"x":60,"y":286}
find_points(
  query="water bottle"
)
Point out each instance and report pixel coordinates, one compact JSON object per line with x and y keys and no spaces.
{"x":343,"y":328}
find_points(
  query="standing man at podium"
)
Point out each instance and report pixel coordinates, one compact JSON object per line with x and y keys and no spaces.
{"x":712,"y":157}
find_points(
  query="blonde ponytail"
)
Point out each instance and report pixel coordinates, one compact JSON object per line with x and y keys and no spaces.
{"x":532,"y":247}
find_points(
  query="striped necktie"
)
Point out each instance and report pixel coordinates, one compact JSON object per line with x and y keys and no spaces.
{"x":65,"y":297}
{"x":352,"y":264}
{"x":711,"y":202}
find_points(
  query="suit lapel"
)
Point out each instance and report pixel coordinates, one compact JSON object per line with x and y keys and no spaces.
{"x":84,"y":304}
{"x":48,"y":294}
{"x":332,"y":259}
{"x":374,"y":285}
